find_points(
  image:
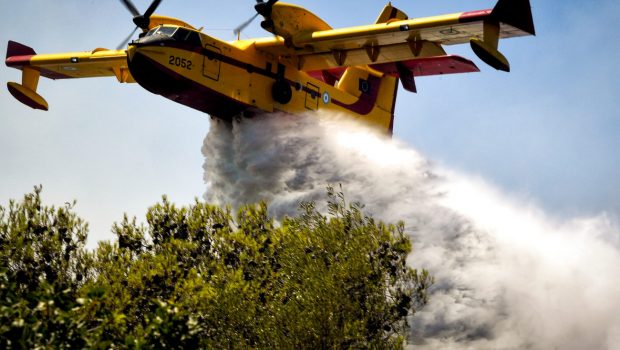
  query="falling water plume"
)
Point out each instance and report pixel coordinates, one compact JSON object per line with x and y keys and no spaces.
{"x":508,"y":276}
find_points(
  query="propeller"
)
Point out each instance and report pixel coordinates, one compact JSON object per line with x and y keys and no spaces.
{"x":141,"y":21}
{"x":263,"y":9}
{"x":144,"y":20}
{"x":126,"y":40}
{"x":245,"y":24}
{"x":131,"y":7}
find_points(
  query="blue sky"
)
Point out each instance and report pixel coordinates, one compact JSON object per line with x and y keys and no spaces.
{"x":547,"y":131}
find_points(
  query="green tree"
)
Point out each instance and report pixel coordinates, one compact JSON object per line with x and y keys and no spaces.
{"x":43,"y":264}
{"x":199,"y":276}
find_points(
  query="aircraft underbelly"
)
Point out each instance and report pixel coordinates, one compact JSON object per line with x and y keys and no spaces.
{"x":162,"y":80}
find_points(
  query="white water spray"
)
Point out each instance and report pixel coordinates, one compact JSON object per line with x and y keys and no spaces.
{"x":507,"y":275}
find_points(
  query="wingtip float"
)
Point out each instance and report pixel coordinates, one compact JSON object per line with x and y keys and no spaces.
{"x":305,"y":66}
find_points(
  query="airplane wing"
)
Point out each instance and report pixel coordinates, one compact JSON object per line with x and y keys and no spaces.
{"x":96,"y":63}
{"x":397,"y":39}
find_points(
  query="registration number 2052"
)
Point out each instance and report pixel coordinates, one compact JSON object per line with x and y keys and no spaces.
{"x":180,"y":62}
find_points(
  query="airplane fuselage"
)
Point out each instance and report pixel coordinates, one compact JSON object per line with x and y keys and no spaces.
{"x":224,"y":79}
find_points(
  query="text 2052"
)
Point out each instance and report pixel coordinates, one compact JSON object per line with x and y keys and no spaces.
{"x":180,"y":62}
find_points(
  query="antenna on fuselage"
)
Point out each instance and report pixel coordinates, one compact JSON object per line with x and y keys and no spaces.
{"x":244,"y":25}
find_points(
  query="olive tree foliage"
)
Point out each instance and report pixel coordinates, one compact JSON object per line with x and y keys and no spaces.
{"x":43,"y":265}
{"x":199,"y":276}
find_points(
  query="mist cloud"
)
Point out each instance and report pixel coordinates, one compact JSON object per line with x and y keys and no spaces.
{"x":507,"y":275}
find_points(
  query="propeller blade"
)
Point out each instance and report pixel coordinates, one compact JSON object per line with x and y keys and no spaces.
{"x":124,"y":42}
{"x":245,"y":24}
{"x":131,"y":7}
{"x":264,"y":8}
{"x":152,"y":8}
{"x":141,"y":20}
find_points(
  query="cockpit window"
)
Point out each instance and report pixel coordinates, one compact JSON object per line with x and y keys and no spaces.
{"x":167,"y":31}
{"x":194,"y":39}
{"x":179,"y":34}
{"x":187,"y":36}
{"x":151,"y":32}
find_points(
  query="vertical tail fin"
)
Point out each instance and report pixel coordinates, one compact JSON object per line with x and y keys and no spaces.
{"x":389,"y":84}
{"x":360,"y":81}
{"x":387,"y":97}
{"x":517,"y":13}
{"x":16,"y":49}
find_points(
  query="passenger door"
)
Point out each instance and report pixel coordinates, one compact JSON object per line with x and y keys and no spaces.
{"x":211,"y":62}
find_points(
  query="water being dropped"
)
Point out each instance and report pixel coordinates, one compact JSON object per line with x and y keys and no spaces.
{"x":507,"y":275}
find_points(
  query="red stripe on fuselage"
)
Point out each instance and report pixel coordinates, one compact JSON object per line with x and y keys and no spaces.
{"x":366,"y":102}
{"x":19,"y":62}
{"x":473,"y":16}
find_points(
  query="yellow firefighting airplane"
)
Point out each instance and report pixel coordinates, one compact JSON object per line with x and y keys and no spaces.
{"x":305,"y":66}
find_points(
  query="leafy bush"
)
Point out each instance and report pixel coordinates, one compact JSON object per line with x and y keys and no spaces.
{"x":199,"y":277}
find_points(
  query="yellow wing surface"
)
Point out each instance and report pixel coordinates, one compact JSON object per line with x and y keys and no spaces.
{"x":96,"y":63}
{"x":313,"y":46}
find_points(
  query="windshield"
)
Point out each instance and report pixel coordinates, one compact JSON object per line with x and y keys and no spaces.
{"x":187,"y":36}
{"x":161,"y":30}
{"x":179,"y":34}
{"x":167,"y":31}
{"x":152,"y":31}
